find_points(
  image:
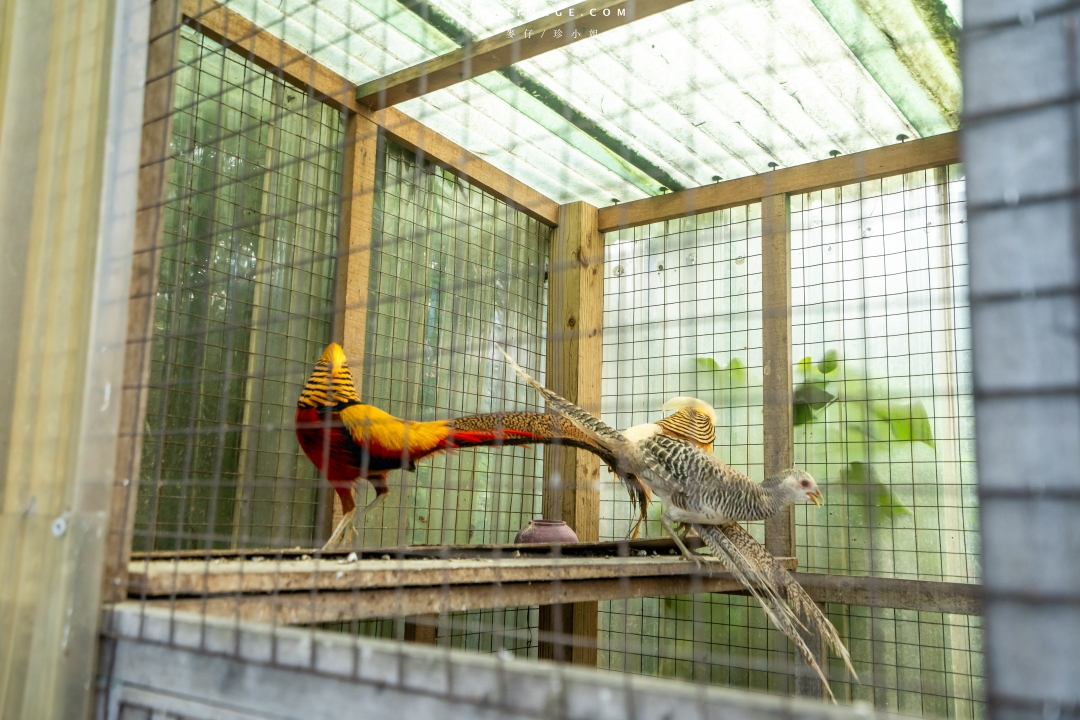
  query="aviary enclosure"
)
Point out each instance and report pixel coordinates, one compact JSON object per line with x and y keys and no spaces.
{"x":758,"y":205}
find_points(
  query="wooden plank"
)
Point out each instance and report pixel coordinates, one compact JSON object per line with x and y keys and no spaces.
{"x":271,"y":53}
{"x":623,"y":548}
{"x":304,"y":608}
{"x":149,"y":228}
{"x":902,"y":594}
{"x":332,"y":606}
{"x":777,"y":392}
{"x":551,"y":32}
{"x":574,"y":357}
{"x":881,"y":162}
{"x":217,"y":577}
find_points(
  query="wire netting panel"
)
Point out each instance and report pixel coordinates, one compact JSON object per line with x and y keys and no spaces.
{"x":509,"y":632}
{"x":915,"y":663}
{"x":682,"y":316}
{"x":454,"y":270}
{"x":245,"y":301}
{"x":884,"y":412}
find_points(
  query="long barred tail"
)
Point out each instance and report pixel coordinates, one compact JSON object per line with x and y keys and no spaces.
{"x":758,"y":580}
{"x":523,"y":428}
{"x":593,"y":427}
{"x":797,"y":598}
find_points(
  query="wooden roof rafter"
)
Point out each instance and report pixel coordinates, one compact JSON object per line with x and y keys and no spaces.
{"x":528,"y":40}
{"x":271,"y":53}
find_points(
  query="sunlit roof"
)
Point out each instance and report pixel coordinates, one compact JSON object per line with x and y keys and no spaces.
{"x":710,"y":88}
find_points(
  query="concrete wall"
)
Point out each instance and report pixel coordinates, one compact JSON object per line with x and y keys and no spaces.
{"x":162,"y":665}
{"x":1021,"y":134}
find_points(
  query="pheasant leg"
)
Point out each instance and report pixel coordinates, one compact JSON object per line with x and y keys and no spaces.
{"x":344,"y":525}
{"x":359,"y":517}
{"x":694,"y":557}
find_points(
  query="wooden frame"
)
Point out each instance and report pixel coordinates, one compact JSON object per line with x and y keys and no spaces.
{"x":575,"y":309}
{"x":149,"y":228}
{"x":867,"y":165}
{"x":271,"y":53}
{"x":551,"y":32}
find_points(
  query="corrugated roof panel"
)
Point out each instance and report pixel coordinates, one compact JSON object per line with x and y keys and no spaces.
{"x":708,"y":88}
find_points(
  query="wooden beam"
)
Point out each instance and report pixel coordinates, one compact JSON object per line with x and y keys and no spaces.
{"x":149,"y":226}
{"x":898,"y":593}
{"x":881,"y":162}
{"x":361,"y":145}
{"x":305,"y":608}
{"x":778,"y":397}
{"x":574,"y":358}
{"x":295,"y":608}
{"x":162,"y":578}
{"x":271,"y":53}
{"x":550,"y":32}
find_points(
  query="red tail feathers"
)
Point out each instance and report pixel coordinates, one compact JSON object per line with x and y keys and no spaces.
{"x":486,"y":437}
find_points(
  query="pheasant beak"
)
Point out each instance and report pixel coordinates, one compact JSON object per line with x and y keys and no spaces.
{"x":815,"y":497}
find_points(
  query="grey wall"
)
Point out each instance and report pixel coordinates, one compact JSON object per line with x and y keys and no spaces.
{"x":1021,"y":130}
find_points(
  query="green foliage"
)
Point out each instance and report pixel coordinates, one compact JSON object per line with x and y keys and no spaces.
{"x":861,"y":423}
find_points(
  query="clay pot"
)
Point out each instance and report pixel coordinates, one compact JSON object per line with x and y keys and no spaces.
{"x":546,"y":531}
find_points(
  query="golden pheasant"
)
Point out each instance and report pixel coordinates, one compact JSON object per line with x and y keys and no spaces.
{"x":348,"y":441}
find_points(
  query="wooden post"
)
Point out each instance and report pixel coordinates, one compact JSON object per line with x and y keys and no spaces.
{"x":149,"y":225}
{"x":574,"y":355}
{"x":779,"y":399}
{"x":776,"y":339}
{"x":354,"y":261}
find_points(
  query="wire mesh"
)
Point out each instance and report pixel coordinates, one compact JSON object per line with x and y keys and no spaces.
{"x":249,"y":293}
{"x":453,"y":271}
{"x":882,"y":342}
{"x":245,"y":300}
{"x":682,"y":317}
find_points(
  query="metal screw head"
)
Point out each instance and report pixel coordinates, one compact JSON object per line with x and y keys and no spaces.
{"x":901,"y":137}
{"x":834,"y":153}
{"x":59,"y":526}
{"x":773,"y":164}
{"x":663,"y":189}
{"x":615,"y":201}
{"x":716,"y":178}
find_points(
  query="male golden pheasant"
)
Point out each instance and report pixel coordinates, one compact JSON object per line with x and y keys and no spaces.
{"x":347,"y":440}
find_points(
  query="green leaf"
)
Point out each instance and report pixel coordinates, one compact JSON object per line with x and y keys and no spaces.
{"x":723,"y":378}
{"x":909,"y":422}
{"x":861,"y":483}
{"x":829,"y":363}
{"x":707,"y":364}
{"x":809,"y":399}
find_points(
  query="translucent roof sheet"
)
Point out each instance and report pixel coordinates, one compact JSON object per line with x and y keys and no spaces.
{"x":709,"y":88}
